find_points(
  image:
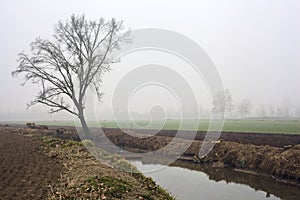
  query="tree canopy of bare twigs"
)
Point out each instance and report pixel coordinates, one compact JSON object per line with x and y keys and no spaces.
{"x":73,"y":62}
{"x":244,"y":107}
{"x":222,"y":103}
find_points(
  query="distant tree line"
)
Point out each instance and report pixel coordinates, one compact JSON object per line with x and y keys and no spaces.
{"x":224,"y":106}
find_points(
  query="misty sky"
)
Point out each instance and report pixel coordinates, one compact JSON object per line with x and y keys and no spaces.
{"x":254,"y":44}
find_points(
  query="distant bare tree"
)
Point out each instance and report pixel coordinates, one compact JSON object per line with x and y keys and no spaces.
{"x":284,"y":109}
{"x":297,"y":110}
{"x":222,"y":103}
{"x":262,"y":111}
{"x":72,"y":63}
{"x":272,"y":111}
{"x":244,"y":107}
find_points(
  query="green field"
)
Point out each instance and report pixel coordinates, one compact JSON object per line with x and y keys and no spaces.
{"x":260,"y":126}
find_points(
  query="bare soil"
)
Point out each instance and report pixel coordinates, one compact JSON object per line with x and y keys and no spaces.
{"x":25,"y":172}
{"x":270,"y":139}
{"x":36,"y":165}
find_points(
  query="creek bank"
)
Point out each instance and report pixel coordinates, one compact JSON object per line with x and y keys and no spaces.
{"x":280,"y":162}
{"x":277,"y":162}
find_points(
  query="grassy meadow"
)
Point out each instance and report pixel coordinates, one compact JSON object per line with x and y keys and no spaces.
{"x":234,"y":125}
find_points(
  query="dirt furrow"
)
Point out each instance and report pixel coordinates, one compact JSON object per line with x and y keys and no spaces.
{"x":25,"y":173}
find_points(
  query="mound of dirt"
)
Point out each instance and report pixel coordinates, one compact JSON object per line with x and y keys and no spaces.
{"x":279,"y":162}
{"x":271,"y":139}
{"x":282,"y":162}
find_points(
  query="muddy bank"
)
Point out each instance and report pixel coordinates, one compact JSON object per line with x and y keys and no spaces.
{"x":277,"y":161}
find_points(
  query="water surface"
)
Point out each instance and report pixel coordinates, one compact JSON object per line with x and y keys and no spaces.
{"x":225,"y":184}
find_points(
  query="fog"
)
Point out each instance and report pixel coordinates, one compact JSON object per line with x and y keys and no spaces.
{"x":255,"y":46}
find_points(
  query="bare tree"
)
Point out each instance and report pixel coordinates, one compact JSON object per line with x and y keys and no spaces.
{"x":297,"y":110}
{"x":284,"y":109}
{"x":222,"y":103}
{"x":244,"y":107}
{"x":72,"y":63}
{"x":262,"y":111}
{"x":272,"y":111}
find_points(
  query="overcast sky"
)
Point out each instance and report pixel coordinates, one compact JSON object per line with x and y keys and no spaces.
{"x":254,"y":44}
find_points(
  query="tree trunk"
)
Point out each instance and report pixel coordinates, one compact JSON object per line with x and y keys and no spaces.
{"x":84,"y":125}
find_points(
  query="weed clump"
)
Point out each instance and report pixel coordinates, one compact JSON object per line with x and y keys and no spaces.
{"x":105,"y":187}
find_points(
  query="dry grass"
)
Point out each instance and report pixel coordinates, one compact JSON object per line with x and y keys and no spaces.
{"x":279,"y":162}
{"x":84,"y":177}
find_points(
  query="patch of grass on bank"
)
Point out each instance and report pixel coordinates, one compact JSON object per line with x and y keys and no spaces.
{"x":106,"y":186}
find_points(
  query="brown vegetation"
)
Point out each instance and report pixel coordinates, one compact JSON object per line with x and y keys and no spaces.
{"x":279,"y":162}
{"x":85,"y":177}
